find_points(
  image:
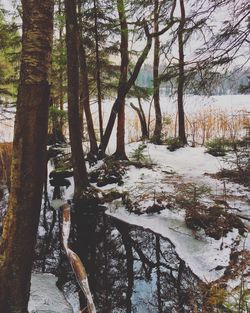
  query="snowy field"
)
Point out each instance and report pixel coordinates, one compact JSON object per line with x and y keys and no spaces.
{"x":198,"y":109}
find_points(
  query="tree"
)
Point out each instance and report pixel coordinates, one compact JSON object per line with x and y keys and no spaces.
{"x":58,"y":72}
{"x":122,"y":94}
{"x":79,"y":167}
{"x":120,"y":143}
{"x":156,"y":83}
{"x":29,"y":157}
{"x":98,"y":69}
{"x":84,"y":87}
{"x":181,"y":75}
{"x":141,"y":93}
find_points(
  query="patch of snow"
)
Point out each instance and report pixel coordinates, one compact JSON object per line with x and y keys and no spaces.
{"x":45,"y":296}
{"x":202,"y":256}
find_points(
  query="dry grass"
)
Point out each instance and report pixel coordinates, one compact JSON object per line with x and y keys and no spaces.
{"x":201,"y":126}
{"x":5,"y":162}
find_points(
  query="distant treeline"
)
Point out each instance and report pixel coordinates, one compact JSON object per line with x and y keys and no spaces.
{"x":232,"y":82}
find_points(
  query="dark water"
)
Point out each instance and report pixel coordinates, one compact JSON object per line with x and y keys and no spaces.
{"x":130,"y":269}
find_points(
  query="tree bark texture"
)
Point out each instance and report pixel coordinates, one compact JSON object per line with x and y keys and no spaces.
{"x":142,"y":118}
{"x":181,"y":77}
{"x":122,"y":92}
{"x":84,"y":97}
{"x":156,"y":95}
{"x":120,"y":143}
{"x":98,"y":70}
{"x":85,"y":100}
{"x":80,"y":173}
{"x":29,"y":158}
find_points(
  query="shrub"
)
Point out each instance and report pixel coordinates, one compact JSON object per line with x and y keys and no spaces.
{"x":218,"y":146}
{"x":173,"y":143}
{"x":138,"y":155}
{"x":111,"y":172}
{"x":188,"y":195}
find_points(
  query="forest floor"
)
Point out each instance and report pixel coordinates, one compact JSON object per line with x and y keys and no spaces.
{"x":177,"y":196}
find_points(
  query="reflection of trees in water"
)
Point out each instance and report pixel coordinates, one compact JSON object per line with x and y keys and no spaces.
{"x":130,"y":269}
{"x":133,"y":270}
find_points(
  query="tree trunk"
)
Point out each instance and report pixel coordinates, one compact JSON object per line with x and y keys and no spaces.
{"x":156,"y":95}
{"x":158,"y":272}
{"x":181,"y":78}
{"x":84,"y":96}
{"x":29,"y":158}
{"x":120,"y":144}
{"x":81,"y":74}
{"x":80,"y":173}
{"x":61,"y":64}
{"x":98,"y":70}
{"x":142,"y":118}
{"x":122,"y":94}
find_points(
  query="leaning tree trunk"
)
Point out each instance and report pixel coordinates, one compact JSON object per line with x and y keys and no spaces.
{"x":142,"y":118}
{"x":181,"y":78}
{"x":156,"y":95}
{"x":122,"y":92}
{"x":29,"y":158}
{"x":98,"y":70}
{"x":79,"y":168}
{"x":120,"y":144}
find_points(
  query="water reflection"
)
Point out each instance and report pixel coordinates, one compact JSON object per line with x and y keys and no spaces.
{"x":131,"y":269}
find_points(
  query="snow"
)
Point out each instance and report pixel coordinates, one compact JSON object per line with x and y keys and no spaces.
{"x":204,"y":254}
{"x":45,"y":296}
{"x":194,"y":105}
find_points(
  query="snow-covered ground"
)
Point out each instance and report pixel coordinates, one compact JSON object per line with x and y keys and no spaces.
{"x":46,"y":297}
{"x":204,"y":254}
{"x":170,"y":169}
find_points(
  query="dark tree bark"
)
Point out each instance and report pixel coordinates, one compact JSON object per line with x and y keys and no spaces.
{"x":122,"y":92}
{"x":126,"y":240}
{"x":84,"y":88}
{"x":142,"y":118}
{"x":181,"y":77}
{"x":79,"y":167}
{"x":156,"y":95}
{"x":81,"y":74}
{"x":158,"y":273}
{"x":84,"y":98}
{"x":98,"y":70}
{"x":61,"y":64}
{"x":29,"y":157}
{"x":120,"y":143}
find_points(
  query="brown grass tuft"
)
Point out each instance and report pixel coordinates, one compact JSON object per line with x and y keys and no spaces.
{"x":5,"y":162}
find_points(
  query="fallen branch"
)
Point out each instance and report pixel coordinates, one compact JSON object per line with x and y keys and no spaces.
{"x":75,"y":261}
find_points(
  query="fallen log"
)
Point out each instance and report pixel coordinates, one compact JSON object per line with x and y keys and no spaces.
{"x":75,"y":261}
